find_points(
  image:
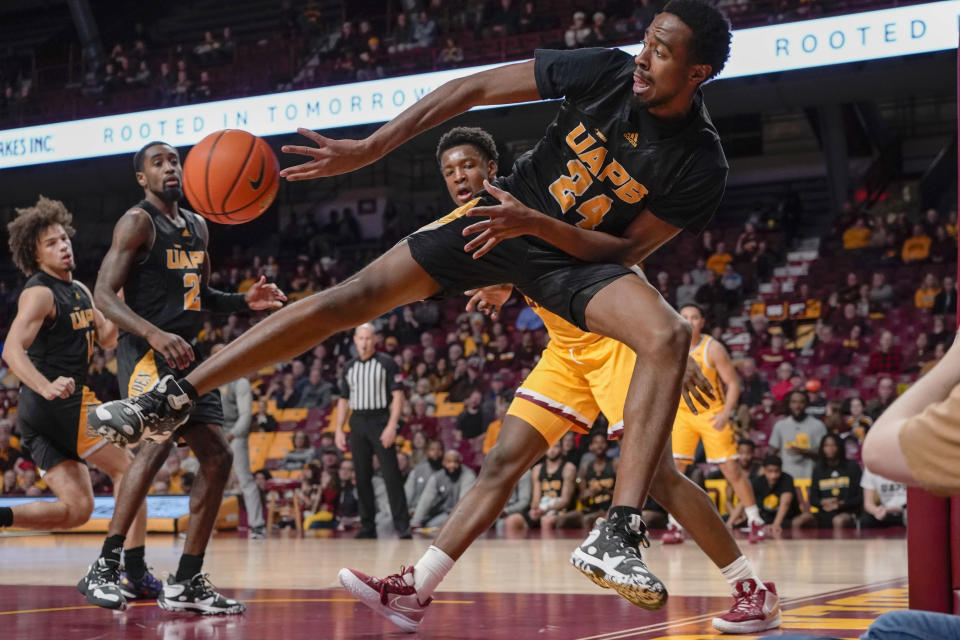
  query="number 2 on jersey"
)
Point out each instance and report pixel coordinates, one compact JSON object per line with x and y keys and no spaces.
{"x":191,"y":298}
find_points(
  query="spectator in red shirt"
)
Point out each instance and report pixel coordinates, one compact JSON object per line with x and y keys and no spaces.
{"x":774,"y":355}
{"x":885,"y":359}
{"x":762,"y":418}
{"x":784,"y":384}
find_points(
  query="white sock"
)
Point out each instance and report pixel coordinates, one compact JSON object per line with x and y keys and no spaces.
{"x":672,"y":522}
{"x":429,"y":571}
{"x":740,"y":569}
{"x":753,"y":514}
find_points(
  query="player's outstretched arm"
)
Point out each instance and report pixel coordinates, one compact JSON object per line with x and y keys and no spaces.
{"x":34,"y":306}
{"x":504,"y":85}
{"x":511,"y":219}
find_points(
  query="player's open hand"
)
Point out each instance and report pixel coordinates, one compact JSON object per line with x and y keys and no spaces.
{"x":695,"y":386}
{"x":509,"y":219}
{"x":329,"y":158}
{"x":62,"y":387}
{"x":175,"y":350}
{"x":264,"y":295}
{"x":489,"y":300}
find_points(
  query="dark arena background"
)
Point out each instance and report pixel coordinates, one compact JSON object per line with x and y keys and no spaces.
{"x":830,"y":268}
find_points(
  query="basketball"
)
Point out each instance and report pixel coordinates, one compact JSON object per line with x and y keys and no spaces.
{"x":231,"y":176}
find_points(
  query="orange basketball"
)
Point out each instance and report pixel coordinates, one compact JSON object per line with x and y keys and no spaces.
{"x":231,"y":176}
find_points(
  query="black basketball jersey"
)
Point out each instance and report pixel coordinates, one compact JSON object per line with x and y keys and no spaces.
{"x":604,"y":159}
{"x":64,"y":344}
{"x":165,"y":287}
{"x":551,"y":484}
{"x":604,"y":480}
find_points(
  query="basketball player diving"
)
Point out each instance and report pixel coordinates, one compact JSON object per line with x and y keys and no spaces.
{"x":158,"y":257}
{"x":578,"y":376}
{"x":630,"y":160}
{"x":49,"y":349}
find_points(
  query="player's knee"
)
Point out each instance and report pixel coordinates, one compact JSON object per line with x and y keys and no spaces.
{"x":667,"y":341}
{"x":79,"y":509}
{"x":500,"y":466}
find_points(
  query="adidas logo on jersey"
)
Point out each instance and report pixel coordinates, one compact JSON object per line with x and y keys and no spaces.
{"x":632,"y":138}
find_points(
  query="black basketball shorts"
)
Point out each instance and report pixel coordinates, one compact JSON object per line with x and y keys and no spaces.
{"x":54,"y":431}
{"x":551,"y":278}
{"x":139,"y":368}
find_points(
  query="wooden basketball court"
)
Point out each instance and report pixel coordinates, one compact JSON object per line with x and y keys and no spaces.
{"x":501,"y":589}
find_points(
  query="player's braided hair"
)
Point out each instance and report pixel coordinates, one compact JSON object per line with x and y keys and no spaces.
{"x":468,"y":135}
{"x":30,"y":223}
{"x":710,"y":43}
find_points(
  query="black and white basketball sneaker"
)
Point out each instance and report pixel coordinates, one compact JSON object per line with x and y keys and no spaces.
{"x":153,"y":415}
{"x":610,"y":556}
{"x":197,"y":595}
{"x":100,"y":586}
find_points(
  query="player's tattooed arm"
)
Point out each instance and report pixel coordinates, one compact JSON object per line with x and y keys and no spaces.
{"x":34,"y":306}
{"x":106,"y":330}
{"x":133,"y":237}
{"x":511,"y":219}
{"x":508,"y":84}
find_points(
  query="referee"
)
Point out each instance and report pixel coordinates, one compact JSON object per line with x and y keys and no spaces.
{"x":371,"y":388}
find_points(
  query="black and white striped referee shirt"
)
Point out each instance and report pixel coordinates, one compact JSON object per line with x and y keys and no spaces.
{"x":369,"y":384}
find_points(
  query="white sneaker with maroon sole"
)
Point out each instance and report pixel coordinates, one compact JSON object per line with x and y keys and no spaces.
{"x":755,"y":608}
{"x":392,"y":597}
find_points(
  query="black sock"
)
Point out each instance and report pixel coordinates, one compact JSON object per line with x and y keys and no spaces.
{"x":112,"y":547}
{"x":623,"y":513}
{"x":188,"y":389}
{"x":6,"y":517}
{"x":189,"y":566}
{"x":134,"y":561}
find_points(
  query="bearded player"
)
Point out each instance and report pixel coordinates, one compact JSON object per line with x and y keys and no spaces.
{"x":159,"y":259}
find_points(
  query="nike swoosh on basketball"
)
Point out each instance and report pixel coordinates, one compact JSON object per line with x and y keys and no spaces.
{"x":255,"y":184}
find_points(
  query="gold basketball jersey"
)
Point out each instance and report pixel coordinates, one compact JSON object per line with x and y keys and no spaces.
{"x":699,"y":352}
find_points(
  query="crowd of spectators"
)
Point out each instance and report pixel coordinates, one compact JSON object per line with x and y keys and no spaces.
{"x":813,"y":383}
{"x":304,"y":47}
